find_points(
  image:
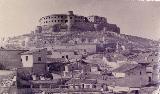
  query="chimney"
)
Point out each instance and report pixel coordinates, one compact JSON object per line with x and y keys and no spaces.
{"x":70,"y":12}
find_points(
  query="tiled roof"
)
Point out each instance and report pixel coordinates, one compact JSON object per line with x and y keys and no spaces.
{"x":125,"y":67}
{"x":132,"y":82}
{"x":124,"y":82}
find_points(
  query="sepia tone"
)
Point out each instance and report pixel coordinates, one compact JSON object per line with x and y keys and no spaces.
{"x":79,"y":47}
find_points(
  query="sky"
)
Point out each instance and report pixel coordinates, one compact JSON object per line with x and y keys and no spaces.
{"x":138,"y":18}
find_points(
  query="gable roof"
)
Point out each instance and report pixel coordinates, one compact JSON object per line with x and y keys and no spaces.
{"x":125,"y":67}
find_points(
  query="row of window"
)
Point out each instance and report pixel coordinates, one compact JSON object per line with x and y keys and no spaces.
{"x":49,"y":17}
{"x":56,"y":21}
{"x":54,"y":17}
{"x":65,"y":21}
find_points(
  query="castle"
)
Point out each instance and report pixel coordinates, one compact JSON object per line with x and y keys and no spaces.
{"x":72,"y":22}
{"x":65,"y":28}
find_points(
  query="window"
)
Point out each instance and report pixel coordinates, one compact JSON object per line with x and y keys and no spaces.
{"x":82,"y":85}
{"x":70,"y":17}
{"x":55,"y":21}
{"x":75,"y":53}
{"x":67,"y":56}
{"x":26,"y":58}
{"x":149,"y":79}
{"x":66,"y":21}
{"x":62,"y":56}
{"x":39,"y":58}
{"x":152,"y":59}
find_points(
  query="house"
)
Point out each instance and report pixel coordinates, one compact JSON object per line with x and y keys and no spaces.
{"x":8,"y":82}
{"x":81,"y":83}
{"x":94,"y":68}
{"x":155,"y":72}
{"x":10,"y":58}
{"x":44,"y":83}
{"x":67,"y":91}
{"x":55,"y":86}
{"x":129,"y":76}
{"x":35,"y":59}
{"x":104,"y":61}
{"x":64,"y":54}
{"x":128,"y":69}
{"x":151,"y":72}
{"x":88,"y":48}
{"x":90,"y":75}
{"x":76,"y":68}
{"x":153,"y":57}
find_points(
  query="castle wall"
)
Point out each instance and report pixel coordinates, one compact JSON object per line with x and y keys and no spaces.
{"x":58,"y":22}
{"x":97,"y":19}
{"x":53,"y":19}
{"x":84,"y":26}
{"x":112,"y":27}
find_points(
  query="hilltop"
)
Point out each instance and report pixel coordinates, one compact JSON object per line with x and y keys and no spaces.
{"x":76,"y":37}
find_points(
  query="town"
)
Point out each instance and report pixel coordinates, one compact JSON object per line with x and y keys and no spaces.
{"x":72,"y":54}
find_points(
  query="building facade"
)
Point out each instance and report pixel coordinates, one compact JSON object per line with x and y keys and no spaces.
{"x":35,"y":59}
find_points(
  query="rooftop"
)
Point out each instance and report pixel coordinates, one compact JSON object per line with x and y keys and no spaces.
{"x":58,"y":90}
{"x":80,"y":81}
{"x":125,"y":67}
{"x":34,"y":51}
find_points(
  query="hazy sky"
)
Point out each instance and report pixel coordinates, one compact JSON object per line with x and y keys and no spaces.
{"x":133,"y":17}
